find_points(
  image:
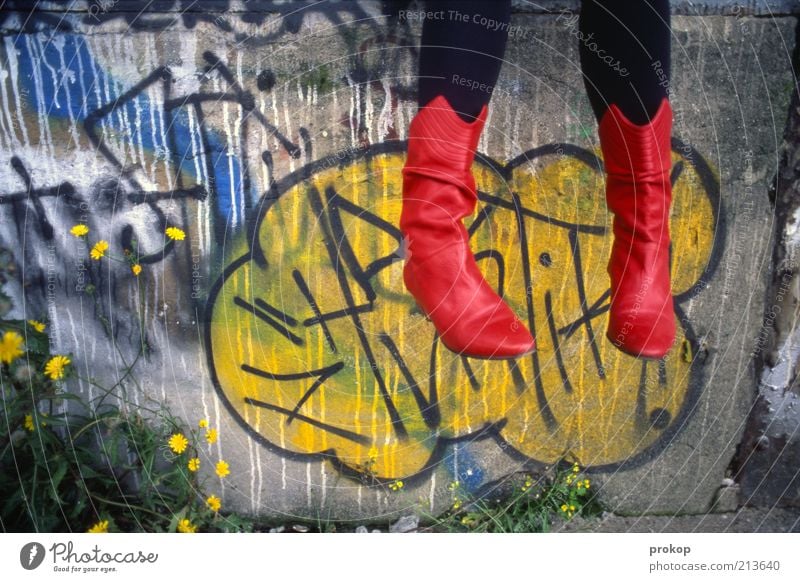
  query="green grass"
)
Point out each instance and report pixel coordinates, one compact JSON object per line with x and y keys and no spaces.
{"x":533,"y":504}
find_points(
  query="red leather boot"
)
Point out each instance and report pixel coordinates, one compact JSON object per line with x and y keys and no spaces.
{"x":638,"y":192}
{"x":440,"y":270}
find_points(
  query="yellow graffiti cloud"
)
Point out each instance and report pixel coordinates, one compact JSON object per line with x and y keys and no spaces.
{"x":318,"y":349}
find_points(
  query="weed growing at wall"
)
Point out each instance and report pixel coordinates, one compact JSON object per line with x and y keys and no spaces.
{"x":72,"y":464}
{"x":532,"y":507}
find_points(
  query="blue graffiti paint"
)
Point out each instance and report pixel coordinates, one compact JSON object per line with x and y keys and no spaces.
{"x":79,"y":86}
{"x":464,"y":467}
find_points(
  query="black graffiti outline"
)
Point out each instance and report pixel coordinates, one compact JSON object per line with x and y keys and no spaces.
{"x":489,"y":429}
{"x":234,"y":94}
{"x":32,"y":195}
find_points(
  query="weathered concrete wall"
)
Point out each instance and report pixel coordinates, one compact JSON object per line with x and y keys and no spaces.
{"x":769,"y":456}
{"x":277,"y":143}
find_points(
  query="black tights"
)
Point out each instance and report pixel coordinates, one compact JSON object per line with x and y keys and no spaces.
{"x":624,"y":52}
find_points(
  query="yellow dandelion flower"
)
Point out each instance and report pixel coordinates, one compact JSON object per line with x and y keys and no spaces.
{"x":178,"y":443}
{"x":175,"y":233}
{"x":55,"y":368}
{"x":37,"y":325}
{"x":137,"y":269}
{"x":214,"y":503}
{"x":79,"y":230}
{"x":99,"y":527}
{"x":9,"y":347}
{"x":203,"y":423}
{"x":564,"y":507}
{"x":194,"y":464}
{"x":575,"y":468}
{"x":211,"y":436}
{"x":28,"y":424}
{"x":186,"y":526}
{"x":99,"y":250}
{"x":396,"y":486}
{"x":223,"y":469}
{"x":572,"y":508}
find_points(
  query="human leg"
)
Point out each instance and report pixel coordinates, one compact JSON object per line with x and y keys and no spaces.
{"x":630,"y":98}
{"x":439,"y":190}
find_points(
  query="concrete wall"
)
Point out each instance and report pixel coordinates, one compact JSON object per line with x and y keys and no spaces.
{"x":276,"y":141}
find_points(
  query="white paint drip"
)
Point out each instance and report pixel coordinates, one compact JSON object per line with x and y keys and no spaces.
{"x":43,"y":60}
{"x":260,"y":472}
{"x":229,"y":154}
{"x":217,"y":420}
{"x":202,"y":214}
{"x":83,"y":111}
{"x":67,"y":77}
{"x":6,"y":122}
{"x":323,"y":487}
{"x":251,"y":455}
{"x":45,"y":139}
{"x":264,"y":144}
{"x":158,"y":152}
{"x":163,"y":147}
{"x":351,"y":112}
{"x":13,"y":68}
{"x":287,"y":116}
{"x":100,"y":89}
{"x":369,"y":112}
{"x":385,"y":119}
{"x":308,"y":485}
{"x":137,"y":108}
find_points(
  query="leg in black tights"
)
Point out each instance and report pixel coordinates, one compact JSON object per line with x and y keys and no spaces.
{"x":625,"y":55}
{"x":461,"y":45}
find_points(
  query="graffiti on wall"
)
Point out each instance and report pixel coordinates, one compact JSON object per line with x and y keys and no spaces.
{"x":318,"y":351}
{"x":309,"y":336}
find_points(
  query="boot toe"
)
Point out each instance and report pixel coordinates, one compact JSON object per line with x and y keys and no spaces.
{"x":648,"y":335}
{"x":499,"y":338}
